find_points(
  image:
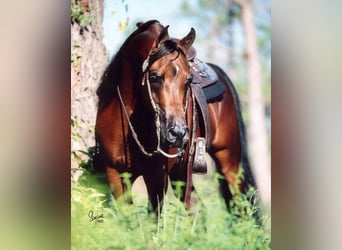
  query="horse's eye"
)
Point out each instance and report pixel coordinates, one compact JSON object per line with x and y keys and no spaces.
{"x":156,"y":78}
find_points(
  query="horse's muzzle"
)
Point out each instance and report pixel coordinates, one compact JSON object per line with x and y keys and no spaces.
{"x":177,"y":135}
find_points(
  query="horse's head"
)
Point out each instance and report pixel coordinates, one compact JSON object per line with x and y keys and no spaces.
{"x":167,"y":76}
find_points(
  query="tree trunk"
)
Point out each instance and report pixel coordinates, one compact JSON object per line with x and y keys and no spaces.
{"x":257,"y":136}
{"x":88,"y":60}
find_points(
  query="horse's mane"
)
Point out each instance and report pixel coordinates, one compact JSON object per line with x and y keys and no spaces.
{"x":113,"y":73}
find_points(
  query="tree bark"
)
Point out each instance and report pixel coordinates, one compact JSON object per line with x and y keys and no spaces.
{"x":89,"y":59}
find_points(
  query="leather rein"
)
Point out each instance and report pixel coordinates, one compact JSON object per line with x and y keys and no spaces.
{"x":157,"y":110}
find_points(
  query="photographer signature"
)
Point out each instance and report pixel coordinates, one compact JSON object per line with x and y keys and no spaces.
{"x":97,"y":218}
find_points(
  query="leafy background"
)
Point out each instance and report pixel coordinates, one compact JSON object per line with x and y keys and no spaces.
{"x":94,"y":25}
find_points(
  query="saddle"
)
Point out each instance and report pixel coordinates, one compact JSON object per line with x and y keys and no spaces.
{"x":207,"y":88}
{"x":201,"y":72}
{"x":204,"y":75}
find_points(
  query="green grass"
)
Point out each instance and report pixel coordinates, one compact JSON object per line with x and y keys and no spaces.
{"x":125,"y":226}
{"x":79,"y":15}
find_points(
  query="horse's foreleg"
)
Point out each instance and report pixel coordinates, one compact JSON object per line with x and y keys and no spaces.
{"x":156,"y":183}
{"x":179,"y":181}
{"x":116,"y":184}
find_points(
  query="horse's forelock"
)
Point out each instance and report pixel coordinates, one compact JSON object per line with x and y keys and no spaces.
{"x":167,"y":47}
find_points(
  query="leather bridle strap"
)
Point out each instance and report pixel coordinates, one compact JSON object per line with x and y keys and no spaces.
{"x":188,"y":187}
{"x":135,"y":136}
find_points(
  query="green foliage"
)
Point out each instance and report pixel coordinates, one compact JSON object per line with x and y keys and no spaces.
{"x":79,"y":15}
{"x":99,"y":222}
{"x":123,"y":24}
{"x":82,"y":157}
{"x":74,"y":59}
{"x":76,"y":125}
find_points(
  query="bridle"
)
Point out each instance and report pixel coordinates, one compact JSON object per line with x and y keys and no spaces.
{"x":157,"y":112}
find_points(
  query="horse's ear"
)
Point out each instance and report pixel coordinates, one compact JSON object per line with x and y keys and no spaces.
{"x":164,"y":35}
{"x":189,"y":39}
{"x":139,"y":24}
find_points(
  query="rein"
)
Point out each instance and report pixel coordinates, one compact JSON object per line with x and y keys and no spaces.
{"x":191,"y":112}
{"x":158,"y":150}
{"x":156,"y":109}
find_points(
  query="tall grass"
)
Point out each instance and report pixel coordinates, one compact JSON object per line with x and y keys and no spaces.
{"x":99,"y":222}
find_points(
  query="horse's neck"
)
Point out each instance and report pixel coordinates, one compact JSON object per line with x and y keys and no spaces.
{"x":127,"y":88}
{"x":131,"y":82}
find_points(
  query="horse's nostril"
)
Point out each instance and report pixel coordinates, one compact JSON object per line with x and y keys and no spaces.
{"x":178,"y":135}
{"x":171,"y":136}
{"x":186,"y":135}
{"x":177,"y":131}
{"x":173,"y":132}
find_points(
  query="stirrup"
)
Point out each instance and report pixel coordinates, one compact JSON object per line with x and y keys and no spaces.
{"x":200,"y":163}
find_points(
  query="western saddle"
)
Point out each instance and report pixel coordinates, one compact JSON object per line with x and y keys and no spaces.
{"x":203,"y":78}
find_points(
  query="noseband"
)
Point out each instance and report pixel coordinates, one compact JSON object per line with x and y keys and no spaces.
{"x":157,"y":111}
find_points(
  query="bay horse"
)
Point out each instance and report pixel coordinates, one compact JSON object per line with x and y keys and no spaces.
{"x":149,"y":118}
